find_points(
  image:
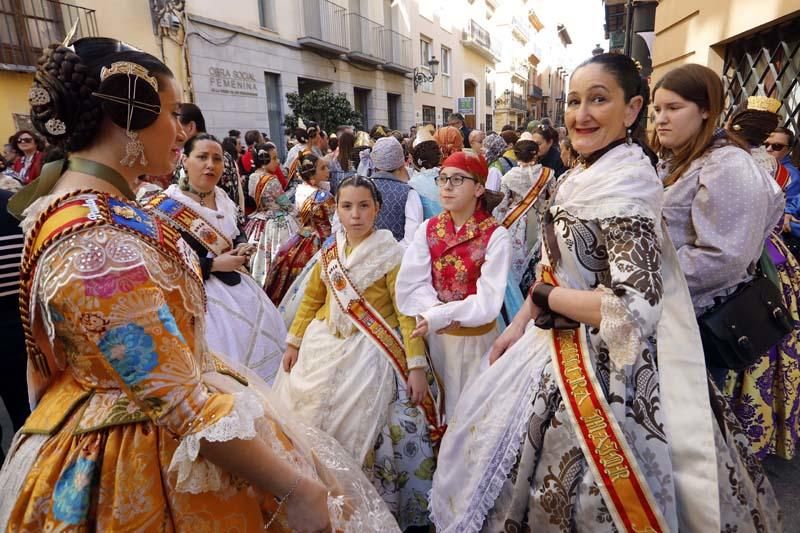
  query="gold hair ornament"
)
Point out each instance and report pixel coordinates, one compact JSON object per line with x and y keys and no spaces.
{"x":763,"y":103}
{"x":130,"y":69}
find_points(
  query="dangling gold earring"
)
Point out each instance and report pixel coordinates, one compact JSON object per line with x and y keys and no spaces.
{"x":133,"y":149}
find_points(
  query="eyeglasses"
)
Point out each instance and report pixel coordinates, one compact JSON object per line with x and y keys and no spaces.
{"x":25,"y":140}
{"x":775,"y":146}
{"x":455,"y":181}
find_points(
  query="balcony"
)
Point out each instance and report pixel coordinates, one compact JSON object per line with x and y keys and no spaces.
{"x":521,"y":28}
{"x":397,"y":48}
{"x":513,"y":102}
{"x":28,"y":26}
{"x":366,"y":40}
{"x":476,"y":38}
{"x":520,"y":70}
{"x":324,"y":27}
{"x":535,"y":92}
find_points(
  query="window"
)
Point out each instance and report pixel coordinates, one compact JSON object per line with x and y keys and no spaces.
{"x":425,"y":56}
{"x":446,"y":114}
{"x":266,"y":14}
{"x":488,"y":122}
{"x":444,"y":69}
{"x":428,"y":114}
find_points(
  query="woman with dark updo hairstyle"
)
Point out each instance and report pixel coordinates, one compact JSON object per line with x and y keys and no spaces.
{"x":595,"y":414}
{"x":315,"y":207}
{"x":136,"y":424}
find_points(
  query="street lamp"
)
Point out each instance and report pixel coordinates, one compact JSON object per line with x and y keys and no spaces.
{"x":421,"y":77}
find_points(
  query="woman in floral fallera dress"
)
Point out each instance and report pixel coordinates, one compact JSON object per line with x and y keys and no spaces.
{"x":581,"y":423}
{"x":272,"y":223}
{"x":136,"y":425}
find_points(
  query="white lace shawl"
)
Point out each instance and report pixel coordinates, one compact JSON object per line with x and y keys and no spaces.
{"x":366,"y":264}
{"x":223,"y":219}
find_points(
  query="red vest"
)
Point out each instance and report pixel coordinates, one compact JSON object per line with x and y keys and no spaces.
{"x":456,"y":258}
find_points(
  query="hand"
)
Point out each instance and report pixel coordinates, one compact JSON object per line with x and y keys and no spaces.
{"x":421,"y":330}
{"x":455,"y":324}
{"x":417,"y":385}
{"x":245,"y":249}
{"x":307,"y":507}
{"x":787,"y":219}
{"x":505,"y":341}
{"x":290,"y":358}
{"x":228,"y":262}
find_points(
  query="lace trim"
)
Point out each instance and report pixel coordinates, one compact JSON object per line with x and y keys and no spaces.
{"x":418,"y":361}
{"x":614,"y":209}
{"x":95,"y":252}
{"x":502,"y":461}
{"x":196,"y":474}
{"x":618,"y":329}
{"x":294,"y":340}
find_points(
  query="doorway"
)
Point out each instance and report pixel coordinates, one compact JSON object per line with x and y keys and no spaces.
{"x":275,"y":111}
{"x":471,"y":89}
{"x":361,"y":103}
{"x":393,"y":102}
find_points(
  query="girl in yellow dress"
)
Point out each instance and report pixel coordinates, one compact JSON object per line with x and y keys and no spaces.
{"x":137,"y":426}
{"x":349,"y":373}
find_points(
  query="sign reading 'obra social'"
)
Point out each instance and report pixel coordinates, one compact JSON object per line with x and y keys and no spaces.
{"x":466,"y":105}
{"x":234,"y":82}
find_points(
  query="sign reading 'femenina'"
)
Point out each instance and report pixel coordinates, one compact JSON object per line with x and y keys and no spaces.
{"x":236,"y":82}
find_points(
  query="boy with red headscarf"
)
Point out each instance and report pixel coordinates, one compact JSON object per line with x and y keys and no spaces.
{"x":453,"y":275}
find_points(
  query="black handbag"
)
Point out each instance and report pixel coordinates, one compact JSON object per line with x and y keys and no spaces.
{"x":740,"y":329}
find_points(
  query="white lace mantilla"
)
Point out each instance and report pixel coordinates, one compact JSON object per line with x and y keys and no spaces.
{"x":366,"y":264}
{"x":619,"y":329}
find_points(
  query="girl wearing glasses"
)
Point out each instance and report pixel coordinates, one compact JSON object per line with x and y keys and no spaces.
{"x":453,"y":276}
{"x":30,"y":155}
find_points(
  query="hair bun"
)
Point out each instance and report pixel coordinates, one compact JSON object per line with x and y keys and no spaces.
{"x":62,"y":107}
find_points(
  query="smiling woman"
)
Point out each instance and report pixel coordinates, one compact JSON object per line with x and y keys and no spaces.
{"x":599,"y":417}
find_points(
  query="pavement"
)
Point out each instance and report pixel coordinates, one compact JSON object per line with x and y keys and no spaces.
{"x":785,"y":478}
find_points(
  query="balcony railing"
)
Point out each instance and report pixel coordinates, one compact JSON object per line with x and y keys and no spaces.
{"x":535,"y":92}
{"x":477,"y":38}
{"x":28,"y":26}
{"x":397,"y":48}
{"x":366,"y":40}
{"x":324,"y":26}
{"x":522,"y":28}
{"x":518,"y":102}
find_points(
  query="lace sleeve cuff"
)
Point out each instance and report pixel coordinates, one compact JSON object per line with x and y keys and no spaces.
{"x":293,"y":340}
{"x":618,"y":328}
{"x":417,"y":361}
{"x":195,"y":474}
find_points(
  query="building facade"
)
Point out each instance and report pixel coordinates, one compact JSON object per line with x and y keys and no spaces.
{"x":26,"y":27}
{"x":754,"y":46}
{"x":460,"y":35}
{"x":517,"y":35}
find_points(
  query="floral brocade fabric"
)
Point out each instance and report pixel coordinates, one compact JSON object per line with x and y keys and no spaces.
{"x":457,"y":256}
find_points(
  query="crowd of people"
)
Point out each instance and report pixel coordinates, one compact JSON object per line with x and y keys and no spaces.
{"x":568,"y":328}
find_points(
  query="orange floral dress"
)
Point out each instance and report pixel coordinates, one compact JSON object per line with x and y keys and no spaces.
{"x":127,"y":388}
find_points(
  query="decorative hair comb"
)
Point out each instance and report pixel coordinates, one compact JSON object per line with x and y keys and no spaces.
{"x":763,"y":103}
{"x":126,"y":67}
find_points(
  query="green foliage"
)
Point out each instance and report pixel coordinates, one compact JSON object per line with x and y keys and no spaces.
{"x":326,"y":108}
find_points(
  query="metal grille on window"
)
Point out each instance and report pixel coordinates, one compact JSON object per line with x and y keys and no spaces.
{"x":765,"y":64}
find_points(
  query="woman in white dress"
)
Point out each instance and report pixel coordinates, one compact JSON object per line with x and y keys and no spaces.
{"x":242,"y":323}
{"x":595,"y":414}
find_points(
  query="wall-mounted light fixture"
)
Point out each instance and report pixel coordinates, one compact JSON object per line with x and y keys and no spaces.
{"x":421,"y":77}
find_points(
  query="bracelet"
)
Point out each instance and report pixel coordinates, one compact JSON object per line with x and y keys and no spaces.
{"x":540,"y":294}
{"x":281,"y":501}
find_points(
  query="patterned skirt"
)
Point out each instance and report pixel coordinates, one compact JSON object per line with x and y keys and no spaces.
{"x":268,"y":235}
{"x":766,"y":396}
{"x":288,"y":264}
